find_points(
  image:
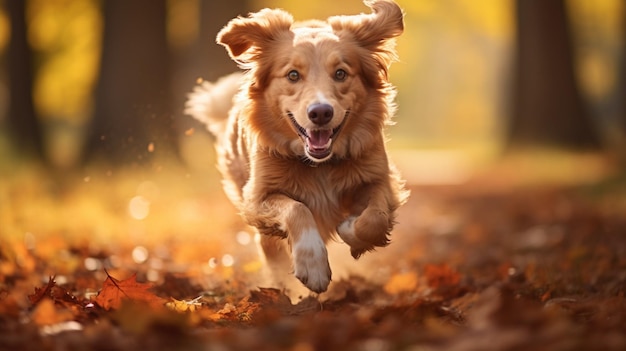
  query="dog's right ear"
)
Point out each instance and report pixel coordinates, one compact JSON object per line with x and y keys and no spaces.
{"x":246,"y":37}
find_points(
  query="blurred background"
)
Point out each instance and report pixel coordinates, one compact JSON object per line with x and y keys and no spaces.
{"x":106,"y":80}
{"x":92,"y":94}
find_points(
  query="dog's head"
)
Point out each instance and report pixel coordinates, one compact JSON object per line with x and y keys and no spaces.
{"x":319,"y":88}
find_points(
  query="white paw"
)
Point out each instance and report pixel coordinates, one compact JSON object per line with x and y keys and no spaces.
{"x":310,"y":260}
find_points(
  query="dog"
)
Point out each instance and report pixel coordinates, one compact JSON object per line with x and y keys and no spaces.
{"x":300,"y":135}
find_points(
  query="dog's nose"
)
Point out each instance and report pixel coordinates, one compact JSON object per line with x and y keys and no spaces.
{"x":320,"y":114}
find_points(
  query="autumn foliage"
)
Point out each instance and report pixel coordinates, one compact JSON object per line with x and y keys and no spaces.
{"x":114,"y":292}
{"x":468,"y":269}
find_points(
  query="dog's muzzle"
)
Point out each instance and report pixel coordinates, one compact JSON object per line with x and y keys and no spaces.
{"x":318,"y":141}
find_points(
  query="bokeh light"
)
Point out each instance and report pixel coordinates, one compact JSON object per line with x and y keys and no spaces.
{"x":139,"y":207}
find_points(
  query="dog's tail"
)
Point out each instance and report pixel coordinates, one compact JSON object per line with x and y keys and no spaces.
{"x":210,"y":103}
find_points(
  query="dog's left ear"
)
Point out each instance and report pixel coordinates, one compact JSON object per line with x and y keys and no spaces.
{"x":373,"y":31}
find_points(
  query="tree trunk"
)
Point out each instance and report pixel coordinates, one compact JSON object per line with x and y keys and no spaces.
{"x":547,"y":105}
{"x":23,"y":124}
{"x":204,"y":58}
{"x":133,"y":116}
{"x":620,"y":142}
{"x":622,"y":78}
{"x":215,"y":15}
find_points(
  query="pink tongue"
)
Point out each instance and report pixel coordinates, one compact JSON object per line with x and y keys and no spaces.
{"x":319,"y":139}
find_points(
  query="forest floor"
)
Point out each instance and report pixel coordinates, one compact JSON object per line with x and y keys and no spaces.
{"x":115,"y":260}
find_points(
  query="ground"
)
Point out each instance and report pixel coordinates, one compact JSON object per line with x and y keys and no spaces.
{"x":123,"y":260}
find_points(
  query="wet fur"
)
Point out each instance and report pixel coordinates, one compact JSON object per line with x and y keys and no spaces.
{"x":279,"y":188}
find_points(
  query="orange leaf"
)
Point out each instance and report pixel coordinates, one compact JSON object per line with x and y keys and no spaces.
{"x":47,"y":313}
{"x":401,"y":282}
{"x":115,"y":291}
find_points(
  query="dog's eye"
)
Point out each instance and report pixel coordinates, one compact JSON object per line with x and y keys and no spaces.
{"x":293,"y":76}
{"x":340,"y":75}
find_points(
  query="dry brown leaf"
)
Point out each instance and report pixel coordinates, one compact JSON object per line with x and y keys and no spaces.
{"x":42,"y":292}
{"x":115,"y":291}
{"x":264,"y":303}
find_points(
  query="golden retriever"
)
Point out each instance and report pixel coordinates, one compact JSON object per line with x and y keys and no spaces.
{"x":300,"y":135}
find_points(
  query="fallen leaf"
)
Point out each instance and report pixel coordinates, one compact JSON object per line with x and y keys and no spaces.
{"x":115,"y":291}
{"x":184,"y":305}
{"x":42,"y":292}
{"x":227,"y":309}
{"x":401,"y":282}
{"x":264,"y":303}
{"x":47,"y":313}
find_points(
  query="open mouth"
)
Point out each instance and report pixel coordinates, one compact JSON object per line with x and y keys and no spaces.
{"x":318,"y":142}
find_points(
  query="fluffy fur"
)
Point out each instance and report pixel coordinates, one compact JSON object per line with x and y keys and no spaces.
{"x":300,"y":135}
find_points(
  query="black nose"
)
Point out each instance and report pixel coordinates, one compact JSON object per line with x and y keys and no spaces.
{"x":320,"y":114}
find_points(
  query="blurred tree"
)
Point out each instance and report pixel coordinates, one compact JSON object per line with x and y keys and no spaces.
{"x":621,"y":92}
{"x":215,"y":14}
{"x":133,"y":115}
{"x":203,"y":58}
{"x":547,"y":106}
{"x":622,"y":87}
{"x":23,"y":124}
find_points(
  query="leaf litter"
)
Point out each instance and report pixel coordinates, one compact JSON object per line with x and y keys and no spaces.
{"x":541,"y":268}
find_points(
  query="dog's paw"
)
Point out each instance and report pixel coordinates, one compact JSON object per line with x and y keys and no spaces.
{"x":347,"y":233}
{"x":353,"y":228}
{"x":310,"y":260}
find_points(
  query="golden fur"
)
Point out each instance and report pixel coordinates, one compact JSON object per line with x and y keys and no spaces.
{"x":302,"y":146}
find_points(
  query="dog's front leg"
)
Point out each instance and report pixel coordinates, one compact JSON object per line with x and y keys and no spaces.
{"x":309,"y":254}
{"x":370,"y":228}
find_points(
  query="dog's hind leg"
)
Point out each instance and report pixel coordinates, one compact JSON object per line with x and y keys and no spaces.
{"x":275,"y":251}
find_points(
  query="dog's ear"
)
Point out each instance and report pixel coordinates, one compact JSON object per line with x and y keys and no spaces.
{"x":373,"y":31}
{"x":246,"y":37}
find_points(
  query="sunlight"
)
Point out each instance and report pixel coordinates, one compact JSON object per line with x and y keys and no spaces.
{"x":4,"y":30}
{"x":212,"y":263}
{"x":139,"y":207}
{"x":243,"y":238}
{"x":67,"y":36}
{"x":140,"y":254}
{"x":514,"y":249}
{"x":228,"y":260}
{"x":92,"y":264}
